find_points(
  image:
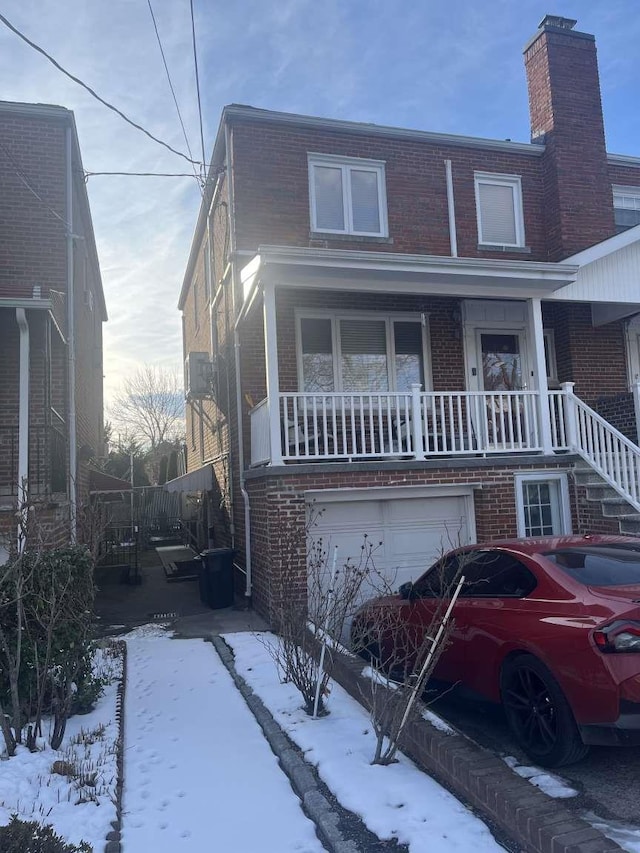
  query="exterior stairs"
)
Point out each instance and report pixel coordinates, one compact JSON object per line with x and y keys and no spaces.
{"x":612,"y":504}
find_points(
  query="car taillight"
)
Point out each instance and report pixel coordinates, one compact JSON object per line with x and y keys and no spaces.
{"x":621,"y":636}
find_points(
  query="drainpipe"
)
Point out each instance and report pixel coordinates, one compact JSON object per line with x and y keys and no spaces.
{"x":453,"y":237}
{"x":23,"y":426}
{"x":71,"y":343}
{"x":236,"y":349}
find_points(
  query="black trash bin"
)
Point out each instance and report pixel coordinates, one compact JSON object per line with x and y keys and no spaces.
{"x":216,"y":577}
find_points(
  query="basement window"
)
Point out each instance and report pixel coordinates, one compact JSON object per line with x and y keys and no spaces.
{"x":499,"y":209}
{"x":542,"y":504}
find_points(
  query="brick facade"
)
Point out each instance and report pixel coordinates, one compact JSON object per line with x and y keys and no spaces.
{"x":34,"y":276}
{"x":262,"y":199}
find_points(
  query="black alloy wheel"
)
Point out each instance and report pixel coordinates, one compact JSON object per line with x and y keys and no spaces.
{"x":538,"y":713}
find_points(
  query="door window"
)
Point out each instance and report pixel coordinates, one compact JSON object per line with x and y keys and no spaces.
{"x":501,"y":361}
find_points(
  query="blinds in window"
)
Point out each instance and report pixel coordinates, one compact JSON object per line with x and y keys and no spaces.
{"x":364,"y":201}
{"x":496,"y":203}
{"x":363,"y":336}
{"x":329,"y":206}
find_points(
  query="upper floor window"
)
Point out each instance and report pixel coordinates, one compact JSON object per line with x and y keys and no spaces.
{"x":358,"y":354}
{"x":347,"y":195}
{"x":626,"y":207}
{"x":499,"y":209}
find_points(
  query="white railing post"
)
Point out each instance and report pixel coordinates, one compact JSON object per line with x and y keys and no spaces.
{"x":570,"y":419}
{"x":417,"y":433}
{"x":534,"y":307}
{"x":636,"y":407}
{"x":273,"y":387}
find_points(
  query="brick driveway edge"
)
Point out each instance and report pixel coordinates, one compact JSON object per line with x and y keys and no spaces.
{"x":313,"y":802}
{"x":536,"y":822}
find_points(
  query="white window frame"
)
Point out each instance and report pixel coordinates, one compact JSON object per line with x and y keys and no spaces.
{"x":564,"y":507}
{"x":552,"y":367}
{"x":620,"y":190}
{"x":336,"y":316}
{"x":515,"y":183}
{"x":346,"y":164}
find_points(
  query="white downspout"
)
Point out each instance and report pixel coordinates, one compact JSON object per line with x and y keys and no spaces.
{"x":71,"y":338}
{"x":23,"y":426}
{"x":236,"y":349}
{"x":453,"y":235}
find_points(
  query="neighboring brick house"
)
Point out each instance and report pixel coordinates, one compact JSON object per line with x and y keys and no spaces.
{"x":383,"y":321}
{"x":51,"y":313}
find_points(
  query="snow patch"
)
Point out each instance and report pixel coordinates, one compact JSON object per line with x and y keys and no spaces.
{"x":552,"y":785}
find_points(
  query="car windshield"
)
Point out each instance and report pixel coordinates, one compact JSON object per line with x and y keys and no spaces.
{"x":599,"y":565}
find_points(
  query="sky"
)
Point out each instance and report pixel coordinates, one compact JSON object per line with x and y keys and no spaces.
{"x":453,"y":66}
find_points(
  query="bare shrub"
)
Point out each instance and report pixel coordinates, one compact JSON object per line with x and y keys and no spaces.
{"x":308,"y":622}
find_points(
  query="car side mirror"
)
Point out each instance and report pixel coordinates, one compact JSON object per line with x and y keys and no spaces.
{"x":407,"y":591}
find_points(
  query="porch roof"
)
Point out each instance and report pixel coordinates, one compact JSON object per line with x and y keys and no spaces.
{"x":608,"y":277}
{"x":384,"y":272}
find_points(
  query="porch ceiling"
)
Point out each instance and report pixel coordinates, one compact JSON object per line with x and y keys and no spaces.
{"x":383,"y":272}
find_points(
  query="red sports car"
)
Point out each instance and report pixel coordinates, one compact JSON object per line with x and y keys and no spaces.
{"x":549,"y":627}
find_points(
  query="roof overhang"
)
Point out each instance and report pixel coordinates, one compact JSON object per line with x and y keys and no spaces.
{"x":385,"y":272}
{"x":40,"y":304}
{"x":199,"y":480}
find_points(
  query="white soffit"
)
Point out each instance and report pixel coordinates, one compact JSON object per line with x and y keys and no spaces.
{"x":608,"y":272}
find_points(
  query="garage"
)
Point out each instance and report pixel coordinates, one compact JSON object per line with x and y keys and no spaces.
{"x":413,"y":525}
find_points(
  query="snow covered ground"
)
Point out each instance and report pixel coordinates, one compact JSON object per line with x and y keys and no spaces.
{"x":77,"y":811}
{"x":398,"y":801}
{"x":199,"y":774}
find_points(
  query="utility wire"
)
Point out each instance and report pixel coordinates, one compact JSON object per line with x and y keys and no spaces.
{"x":36,"y":47}
{"x":175,"y":100}
{"x":195,"y":63}
{"x":88,"y":174}
{"x":34,"y":192}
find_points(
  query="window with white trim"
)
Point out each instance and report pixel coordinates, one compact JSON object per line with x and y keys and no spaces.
{"x":550,"y":357}
{"x":626,"y":207}
{"x":499,"y":209}
{"x":542,"y":504}
{"x":347,"y":195}
{"x":356,"y":353}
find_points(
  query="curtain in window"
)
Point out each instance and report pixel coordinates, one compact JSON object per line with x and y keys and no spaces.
{"x":329,"y":198}
{"x":497,"y":213}
{"x":408,"y":355}
{"x":364,"y":355}
{"x":364,"y":201}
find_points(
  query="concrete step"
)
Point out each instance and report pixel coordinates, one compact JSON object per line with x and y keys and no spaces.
{"x":615,"y":507}
{"x":601,"y":492}
{"x":630,"y":524}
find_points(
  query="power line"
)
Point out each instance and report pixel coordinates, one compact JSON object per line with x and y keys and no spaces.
{"x":195,"y":63}
{"x":166,"y":68}
{"x":88,"y":174}
{"x":34,"y":192}
{"x":95,"y":94}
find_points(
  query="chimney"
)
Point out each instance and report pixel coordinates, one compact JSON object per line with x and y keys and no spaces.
{"x":566,"y":115}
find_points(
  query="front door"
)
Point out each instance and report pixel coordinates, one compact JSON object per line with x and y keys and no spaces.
{"x":504,"y":417}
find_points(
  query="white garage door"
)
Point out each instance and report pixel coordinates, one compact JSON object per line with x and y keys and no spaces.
{"x":413,"y":531}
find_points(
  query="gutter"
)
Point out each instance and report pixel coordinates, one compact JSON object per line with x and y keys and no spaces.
{"x":238,"y":383}
{"x":71,"y":337}
{"x":23,"y":428}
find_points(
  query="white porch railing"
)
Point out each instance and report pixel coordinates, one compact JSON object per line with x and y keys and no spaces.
{"x":615,"y":457}
{"x":412,"y":425}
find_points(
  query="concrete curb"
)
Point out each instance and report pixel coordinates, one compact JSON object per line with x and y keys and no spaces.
{"x":302,"y":779}
{"x":535,"y":821}
{"x":114,"y":843}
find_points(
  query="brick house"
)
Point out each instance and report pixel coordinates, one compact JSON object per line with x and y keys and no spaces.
{"x":430,"y":337}
{"x":51,"y":313}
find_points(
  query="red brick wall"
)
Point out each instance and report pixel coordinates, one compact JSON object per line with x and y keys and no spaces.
{"x":566,"y":114}
{"x":278,"y":511}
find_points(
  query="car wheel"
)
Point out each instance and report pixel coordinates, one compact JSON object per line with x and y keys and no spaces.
{"x":539,"y":716}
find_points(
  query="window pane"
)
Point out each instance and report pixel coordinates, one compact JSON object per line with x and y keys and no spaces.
{"x":600,"y":565}
{"x":317,"y":354}
{"x":493,"y":574}
{"x":364,"y":201}
{"x":497,"y":214}
{"x":541,"y":505}
{"x":329,"y":198}
{"x":363,"y":345}
{"x":408,"y":355}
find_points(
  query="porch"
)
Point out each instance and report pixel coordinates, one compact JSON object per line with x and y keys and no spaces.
{"x":304,"y":427}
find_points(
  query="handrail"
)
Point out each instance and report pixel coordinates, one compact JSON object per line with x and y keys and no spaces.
{"x":610,"y":453}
